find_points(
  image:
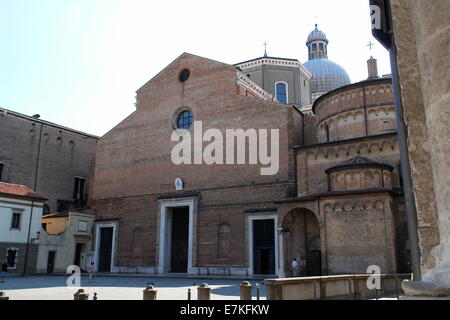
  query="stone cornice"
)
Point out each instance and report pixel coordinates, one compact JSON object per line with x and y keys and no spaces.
{"x":244,"y":81}
{"x":275,"y":62}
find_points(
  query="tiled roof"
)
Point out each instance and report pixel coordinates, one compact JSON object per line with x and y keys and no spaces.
{"x":19,"y":190}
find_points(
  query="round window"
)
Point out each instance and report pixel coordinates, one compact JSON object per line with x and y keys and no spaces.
{"x":184,"y":75}
{"x":184,"y":120}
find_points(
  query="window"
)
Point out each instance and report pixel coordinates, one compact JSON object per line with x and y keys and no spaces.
{"x":78,"y":191}
{"x":15,"y":221}
{"x":184,"y":119}
{"x":281,"y":92}
{"x":11,"y":257}
{"x":1,"y":171}
{"x":184,"y":75}
{"x":327,"y":132}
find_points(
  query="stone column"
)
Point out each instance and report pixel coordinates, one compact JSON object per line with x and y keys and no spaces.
{"x":150,"y":293}
{"x":203,"y":292}
{"x":421,"y":31}
{"x":80,"y":295}
{"x":246,"y":290}
{"x":281,"y":252}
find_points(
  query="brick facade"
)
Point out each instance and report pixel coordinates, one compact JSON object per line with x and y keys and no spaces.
{"x":134,"y":175}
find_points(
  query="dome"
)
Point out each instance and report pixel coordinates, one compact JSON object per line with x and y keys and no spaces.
{"x":326,"y":75}
{"x":316,"y":34}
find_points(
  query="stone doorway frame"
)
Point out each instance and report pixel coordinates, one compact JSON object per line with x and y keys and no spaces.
{"x":250,"y":220}
{"x":164,"y":234}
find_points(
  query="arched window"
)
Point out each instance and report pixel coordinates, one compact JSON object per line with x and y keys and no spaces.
{"x":184,"y":120}
{"x":281,"y":92}
{"x":327,"y":132}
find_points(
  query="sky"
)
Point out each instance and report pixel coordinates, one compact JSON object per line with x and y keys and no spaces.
{"x":78,"y":63}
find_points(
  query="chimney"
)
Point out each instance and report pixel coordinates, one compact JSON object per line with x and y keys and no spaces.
{"x":372,"y":68}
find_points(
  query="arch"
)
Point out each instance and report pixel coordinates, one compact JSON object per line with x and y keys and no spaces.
{"x":303,"y":236}
{"x":330,"y":151}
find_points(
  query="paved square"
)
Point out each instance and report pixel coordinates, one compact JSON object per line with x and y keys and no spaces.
{"x":120,"y":288}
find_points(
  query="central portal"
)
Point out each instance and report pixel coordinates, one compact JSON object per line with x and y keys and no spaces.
{"x":179,"y":239}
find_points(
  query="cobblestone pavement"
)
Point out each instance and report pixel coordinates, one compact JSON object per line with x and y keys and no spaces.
{"x":120,"y":288}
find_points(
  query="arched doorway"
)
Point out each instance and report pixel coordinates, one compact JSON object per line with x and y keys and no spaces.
{"x":301,"y":238}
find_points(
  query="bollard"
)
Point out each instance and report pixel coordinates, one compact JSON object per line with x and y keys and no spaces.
{"x":189,"y":294}
{"x":80,"y":295}
{"x":257,"y":291}
{"x":150,"y":293}
{"x":3,"y":297}
{"x":203,"y":292}
{"x":246,"y":290}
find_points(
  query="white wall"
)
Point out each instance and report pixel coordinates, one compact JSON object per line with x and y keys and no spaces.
{"x":19,"y":235}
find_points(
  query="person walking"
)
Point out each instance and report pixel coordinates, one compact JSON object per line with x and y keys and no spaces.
{"x":4,"y":272}
{"x":91,"y":271}
{"x":294,"y":266}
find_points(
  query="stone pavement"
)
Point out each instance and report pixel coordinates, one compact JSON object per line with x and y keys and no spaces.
{"x":120,"y":288}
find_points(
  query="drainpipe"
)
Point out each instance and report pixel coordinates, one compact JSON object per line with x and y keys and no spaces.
{"x":28,"y":240}
{"x":32,"y":203}
{"x":411,"y":211}
{"x":383,"y":31}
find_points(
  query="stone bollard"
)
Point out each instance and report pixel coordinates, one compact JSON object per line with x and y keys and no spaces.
{"x":203,"y":292}
{"x":3,"y":297}
{"x":150,"y":293}
{"x":80,"y":295}
{"x":246,"y":290}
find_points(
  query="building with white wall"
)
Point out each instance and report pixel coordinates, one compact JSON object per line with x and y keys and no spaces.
{"x":20,"y":227}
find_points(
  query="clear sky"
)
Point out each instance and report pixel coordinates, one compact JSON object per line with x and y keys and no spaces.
{"x":78,"y":63}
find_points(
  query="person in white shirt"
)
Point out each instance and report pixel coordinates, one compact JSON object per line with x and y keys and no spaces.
{"x":294,"y":266}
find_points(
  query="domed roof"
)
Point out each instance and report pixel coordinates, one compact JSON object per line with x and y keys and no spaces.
{"x":316,"y":34}
{"x":326,"y":75}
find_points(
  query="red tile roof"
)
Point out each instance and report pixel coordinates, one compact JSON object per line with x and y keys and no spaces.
{"x":18,"y":190}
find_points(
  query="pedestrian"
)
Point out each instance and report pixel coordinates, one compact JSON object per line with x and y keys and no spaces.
{"x":294,"y":266}
{"x":4,"y":272}
{"x":91,"y":270}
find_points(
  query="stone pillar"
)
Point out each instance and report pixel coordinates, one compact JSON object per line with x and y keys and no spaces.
{"x":421,"y":31}
{"x":281,"y":253}
{"x":246,"y":290}
{"x":150,"y":293}
{"x":203,"y":292}
{"x":80,"y":295}
{"x":3,"y":297}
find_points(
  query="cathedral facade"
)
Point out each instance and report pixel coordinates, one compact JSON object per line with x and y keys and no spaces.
{"x":334,"y":201}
